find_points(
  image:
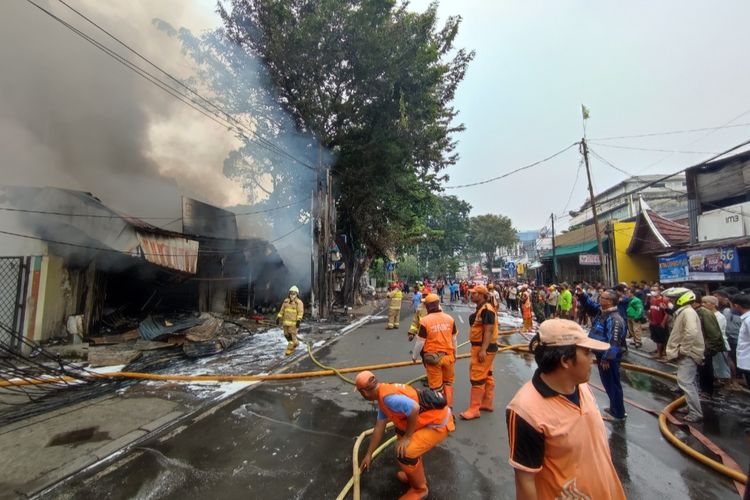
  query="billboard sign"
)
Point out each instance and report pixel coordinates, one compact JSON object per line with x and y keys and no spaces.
{"x":674,"y":268}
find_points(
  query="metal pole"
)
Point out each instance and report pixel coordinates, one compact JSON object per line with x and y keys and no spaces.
{"x":554,"y":250}
{"x":313,"y":255}
{"x":600,"y":248}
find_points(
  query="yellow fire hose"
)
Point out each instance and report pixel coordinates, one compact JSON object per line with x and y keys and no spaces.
{"x":715,"y":465}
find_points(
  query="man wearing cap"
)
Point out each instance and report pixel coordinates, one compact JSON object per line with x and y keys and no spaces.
{"x":394,"y":297}
{"x":558,"y":442}
{"x":419,"y":430}
{"x":436,"y":344}
{"x":483,"y":331}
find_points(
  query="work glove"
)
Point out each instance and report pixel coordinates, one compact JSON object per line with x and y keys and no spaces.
{"x":278,"y":320}
{"x":298,"y":322}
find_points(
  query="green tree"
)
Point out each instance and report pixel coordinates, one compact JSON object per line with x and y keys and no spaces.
{"x":447,"y":238}
{"x":409,"y":269}
{"x":374,"y":82}
{"x":489,"y":232}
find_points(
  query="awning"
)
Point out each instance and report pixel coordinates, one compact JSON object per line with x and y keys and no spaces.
{"x":562,"y":251}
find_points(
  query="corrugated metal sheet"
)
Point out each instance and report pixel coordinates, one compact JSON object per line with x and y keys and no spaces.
{"x":151,"y":329}
{"x":172,"y":252}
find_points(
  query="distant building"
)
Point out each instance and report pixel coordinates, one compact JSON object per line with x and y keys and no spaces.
{"x":620,"y":202}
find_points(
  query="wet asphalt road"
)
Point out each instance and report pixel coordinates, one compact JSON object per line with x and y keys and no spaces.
{"x":294,"y":439}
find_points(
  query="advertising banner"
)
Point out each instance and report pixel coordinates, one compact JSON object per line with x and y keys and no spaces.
{"x":705,"y":264}
{"x":674,"y":268}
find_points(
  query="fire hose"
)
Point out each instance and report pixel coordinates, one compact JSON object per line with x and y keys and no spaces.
{"x":732,"y":473}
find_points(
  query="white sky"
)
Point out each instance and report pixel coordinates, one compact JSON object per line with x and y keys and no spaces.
{"x":639,"y":67}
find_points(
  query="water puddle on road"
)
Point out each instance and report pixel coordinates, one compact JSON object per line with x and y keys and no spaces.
{"x":79,"y":436}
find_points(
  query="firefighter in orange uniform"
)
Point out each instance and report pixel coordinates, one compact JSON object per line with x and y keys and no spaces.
{"x":483,"y":331}
{"x":421,"y":424}
{"x":436,"y":343}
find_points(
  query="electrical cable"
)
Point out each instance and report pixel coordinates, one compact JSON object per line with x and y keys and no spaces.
{"x":126,"y":217}
{"x":615,"y":167}
{"x":507,"y":174}
{"x":197,"y":105}
{"x":617,"y":146}
{"x":148,"y":254}
{"x":653,"y":134}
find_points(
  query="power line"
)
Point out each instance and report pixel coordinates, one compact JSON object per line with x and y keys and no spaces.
{"x":664,"y":178}
{"x":575,"y":183}
{"x":222,"y":118}
{"x":674,"y":132}
{"x":144,"y":254}
{"x":507,"y":174}
{"x":612,"y":165}
{"x":125,"y":217}
{"x":616,"y":146}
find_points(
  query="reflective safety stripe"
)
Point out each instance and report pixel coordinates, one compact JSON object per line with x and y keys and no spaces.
{"x":490,"y":348}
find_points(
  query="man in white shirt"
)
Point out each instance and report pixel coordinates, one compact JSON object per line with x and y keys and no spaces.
{"x":741,"y":304}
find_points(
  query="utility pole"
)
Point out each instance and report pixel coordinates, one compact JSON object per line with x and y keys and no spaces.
{"x":600,"y":248}
{"x":554,"y":250}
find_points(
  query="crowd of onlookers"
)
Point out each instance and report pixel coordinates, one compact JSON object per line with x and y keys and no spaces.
{"x":642,"y":307}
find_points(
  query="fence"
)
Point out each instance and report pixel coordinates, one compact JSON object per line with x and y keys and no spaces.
{"x":13,"y":285}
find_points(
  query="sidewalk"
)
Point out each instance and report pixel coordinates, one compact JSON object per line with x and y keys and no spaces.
{"x":42,"y":451}
{"x":46,"y":449}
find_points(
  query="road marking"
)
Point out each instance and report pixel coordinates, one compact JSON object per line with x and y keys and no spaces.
{"x":461,"y":319}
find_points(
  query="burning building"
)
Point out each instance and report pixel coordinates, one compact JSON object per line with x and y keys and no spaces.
{"x":71,"y":265}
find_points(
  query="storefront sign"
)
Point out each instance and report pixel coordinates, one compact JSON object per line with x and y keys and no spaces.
{"x":589,"y":259}
{"x":673,"y":268}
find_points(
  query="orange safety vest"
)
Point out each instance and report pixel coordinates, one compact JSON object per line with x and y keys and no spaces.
{"x":429,"y":418}
{"x":577,"y":460}
{"x":476,"y":330}
{"x":440,"y":328}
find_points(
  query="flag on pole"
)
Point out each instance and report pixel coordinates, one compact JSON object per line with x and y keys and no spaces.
{"x":585,"y":112}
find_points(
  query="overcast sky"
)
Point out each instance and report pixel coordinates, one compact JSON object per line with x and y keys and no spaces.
{"x":639,"y":66}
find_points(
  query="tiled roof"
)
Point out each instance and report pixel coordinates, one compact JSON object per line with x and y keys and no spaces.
{"x":653,"y":233}
{"x":674,"y":232}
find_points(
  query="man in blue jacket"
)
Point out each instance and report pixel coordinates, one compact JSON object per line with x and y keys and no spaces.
{"x":608,"y":326}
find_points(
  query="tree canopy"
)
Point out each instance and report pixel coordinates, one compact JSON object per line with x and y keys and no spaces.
{"x":490,"y":232}
{"x":374,"y":81}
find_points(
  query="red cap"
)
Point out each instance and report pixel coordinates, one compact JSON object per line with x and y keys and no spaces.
{"x":365,"y":380}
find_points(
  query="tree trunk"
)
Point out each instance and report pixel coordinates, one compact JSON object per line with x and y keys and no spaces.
{"x":354,"y":268}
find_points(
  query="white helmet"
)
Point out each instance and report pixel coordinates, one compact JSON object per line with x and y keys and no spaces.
{"x":294,"y":289}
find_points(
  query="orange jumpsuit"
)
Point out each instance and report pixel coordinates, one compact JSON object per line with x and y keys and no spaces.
{"x":481,"y":373}
{"x":433,"y":425}
{"x":526,"y":311}
{"x":439,"y":332}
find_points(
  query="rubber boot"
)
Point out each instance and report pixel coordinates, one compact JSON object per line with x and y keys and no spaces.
{"x":289,"y":349}
{"x":475,"y":399}
{"x":448,"y":390}
{"x":417,"y":484}
{"x":489,"y":396}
